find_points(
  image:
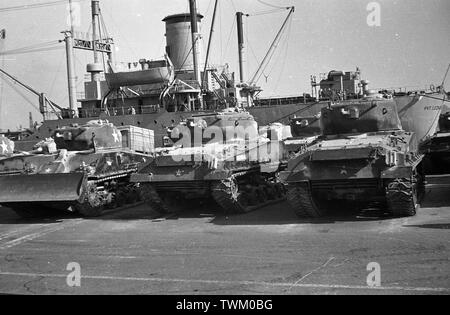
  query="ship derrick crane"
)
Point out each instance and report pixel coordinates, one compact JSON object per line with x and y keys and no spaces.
{"x":249,"y":87}
{"x":272,"y":49}
{"x":43,"y":100}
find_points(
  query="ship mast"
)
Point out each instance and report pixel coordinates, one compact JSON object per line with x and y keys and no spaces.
{"x":71,"y":76}
{"x":95,"y":14}
{"x":195,"y":39}
{"x":209,"y":45}
{"x":241,"y":45}
{"x":272,"y":47}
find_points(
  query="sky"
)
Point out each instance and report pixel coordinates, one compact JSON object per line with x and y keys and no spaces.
{"x":409,"y":48}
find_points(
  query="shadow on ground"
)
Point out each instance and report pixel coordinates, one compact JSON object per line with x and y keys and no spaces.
{"x":277,"y":214}
{"x":445,"y":226}
{"x":437,"y":198}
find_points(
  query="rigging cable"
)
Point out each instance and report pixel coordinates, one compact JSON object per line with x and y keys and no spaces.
{"x":228,"y":46}
{"x":33,"y":48}
{"x":286,"y":52}
{"x":271,"y":5}
{"x":34,"y":6}
{"x":20,"y":92}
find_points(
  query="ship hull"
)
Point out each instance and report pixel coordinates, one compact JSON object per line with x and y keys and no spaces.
{"x":419,"y":114}
{"x":160,"y":120}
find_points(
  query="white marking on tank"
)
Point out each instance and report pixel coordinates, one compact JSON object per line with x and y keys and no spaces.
{"x":241,"y":283}
{"x":4,"y":147}
{"x":116,"y":136}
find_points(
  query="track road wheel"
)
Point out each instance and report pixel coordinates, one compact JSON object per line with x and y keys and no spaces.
{"x":92,"y":204}
{"x":301,"y":199}
{"x":402,"y":197}
{"x":152,"y":199}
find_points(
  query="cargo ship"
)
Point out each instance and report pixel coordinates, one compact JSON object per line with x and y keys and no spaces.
{"x":157,"y":94}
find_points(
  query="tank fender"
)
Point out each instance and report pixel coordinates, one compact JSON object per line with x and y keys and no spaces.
{"x":398,"y":172}
{"x":218,"y":175}
{"x":141,"y":178}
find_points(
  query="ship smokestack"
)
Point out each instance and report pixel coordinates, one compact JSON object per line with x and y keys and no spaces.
{"x":241,"y":45}
{"x":179,"y":42}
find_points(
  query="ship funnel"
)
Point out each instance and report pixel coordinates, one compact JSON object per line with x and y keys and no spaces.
{"x":179,"y":41}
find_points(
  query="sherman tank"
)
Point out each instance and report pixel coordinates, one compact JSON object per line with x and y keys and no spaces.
{"x":220,"y":157}
{"x":83,"y":169}
{"x":437,"y":148}
{"x":362,"y":157}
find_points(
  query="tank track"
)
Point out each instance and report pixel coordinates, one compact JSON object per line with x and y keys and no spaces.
{"x":301,"y":199}
{"x":233,"y":200}
{"x":93,"y":202}
{"x":153,"y":199}
{"x":225,"y":195}
{"x":401,"y":197}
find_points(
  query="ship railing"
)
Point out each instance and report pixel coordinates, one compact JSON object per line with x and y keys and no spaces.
{"x":119,"y":111}
{"x":409,"y":90}
{"x":279,"y":101}
{"x":88,"y":77}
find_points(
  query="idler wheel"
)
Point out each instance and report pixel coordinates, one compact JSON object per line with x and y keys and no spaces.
{"x":92,"y":204}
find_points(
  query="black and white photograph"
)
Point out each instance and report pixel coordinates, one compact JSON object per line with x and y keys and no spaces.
{"x":224,"y":155}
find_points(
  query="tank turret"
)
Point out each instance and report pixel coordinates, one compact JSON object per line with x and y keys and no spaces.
{"x":225,"y":126}
{"x":94,"y":135}
{"x":360,"y":117}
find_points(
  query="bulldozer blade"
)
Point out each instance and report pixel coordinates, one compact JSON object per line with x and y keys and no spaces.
{"x":41,"y":188}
